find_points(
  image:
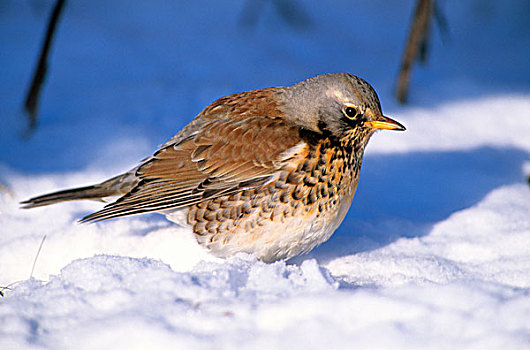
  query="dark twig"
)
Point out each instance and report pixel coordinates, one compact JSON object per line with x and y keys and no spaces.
{"x":32,"y":97}
{"x":416,"y":46}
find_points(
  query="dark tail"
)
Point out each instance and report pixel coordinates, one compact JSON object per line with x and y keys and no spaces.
{"x":96,"y":192}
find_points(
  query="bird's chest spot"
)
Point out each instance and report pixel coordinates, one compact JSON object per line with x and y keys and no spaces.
{"x":299,"y":208}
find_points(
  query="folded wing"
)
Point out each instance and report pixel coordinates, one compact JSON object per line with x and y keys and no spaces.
{"x":221,"y":158}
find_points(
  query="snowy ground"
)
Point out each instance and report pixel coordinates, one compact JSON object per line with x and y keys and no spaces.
{"x":434,"y":253}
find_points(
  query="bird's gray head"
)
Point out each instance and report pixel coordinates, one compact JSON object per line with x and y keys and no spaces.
{"x":339,"y":104}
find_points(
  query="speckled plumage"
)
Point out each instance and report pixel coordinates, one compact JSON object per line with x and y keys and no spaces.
{"x":270,"y":172}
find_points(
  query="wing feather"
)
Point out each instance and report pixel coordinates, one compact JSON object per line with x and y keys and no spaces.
{"x":219,"y":159}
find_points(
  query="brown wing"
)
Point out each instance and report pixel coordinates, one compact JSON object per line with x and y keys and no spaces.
{"x":221,"y":158}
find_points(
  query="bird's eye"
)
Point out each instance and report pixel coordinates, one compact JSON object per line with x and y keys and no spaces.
{"x":351,"y":112}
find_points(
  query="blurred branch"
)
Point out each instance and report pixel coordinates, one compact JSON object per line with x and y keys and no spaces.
{"x":251,"y":10}
{"x":291,"y":12}
{"x":441,"y":20}
{"x":6,"y":190}
{"x":416,"y":46}
{"x":32,"y":97}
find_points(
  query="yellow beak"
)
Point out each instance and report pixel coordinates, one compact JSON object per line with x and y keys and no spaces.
{"x":383,"y":122}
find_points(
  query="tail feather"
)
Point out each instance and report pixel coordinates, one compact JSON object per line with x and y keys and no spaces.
{"x":95,"y":192}
{"x":117,"y":186}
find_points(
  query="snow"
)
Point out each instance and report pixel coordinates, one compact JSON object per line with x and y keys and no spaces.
{"x":434,"y":253}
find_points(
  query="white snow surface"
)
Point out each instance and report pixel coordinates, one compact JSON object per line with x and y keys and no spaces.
{"x":434,"y":253}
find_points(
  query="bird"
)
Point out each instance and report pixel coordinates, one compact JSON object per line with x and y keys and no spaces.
{"x":270,"y":172}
